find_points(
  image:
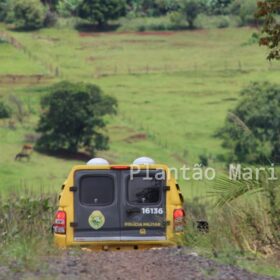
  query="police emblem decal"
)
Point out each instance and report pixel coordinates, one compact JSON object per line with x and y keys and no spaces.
{"x":96,"y":220}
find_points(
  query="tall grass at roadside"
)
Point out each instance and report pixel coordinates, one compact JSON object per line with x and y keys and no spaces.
{"x":25,"y":229}
{"x":244,"y":222}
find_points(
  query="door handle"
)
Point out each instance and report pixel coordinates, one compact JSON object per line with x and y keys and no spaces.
{"x":133,"y":210}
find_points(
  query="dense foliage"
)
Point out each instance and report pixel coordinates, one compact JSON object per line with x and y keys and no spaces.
{"x":26,"y":14}
{"x":72,"y":118}
{"x":3,"y":9}
{"x":190,"y":10}
{"x":68,"y":8}
{"x":5,"y":111}
{"x":252,"y":129}
{"x":218,"y":7}
{"x":179,"y":13}
{"x":268,"y":10}
{"x":100,"y":11}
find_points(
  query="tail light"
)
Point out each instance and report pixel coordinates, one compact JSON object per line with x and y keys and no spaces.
{"x":179,"y":219}
{"x":59,"y":225}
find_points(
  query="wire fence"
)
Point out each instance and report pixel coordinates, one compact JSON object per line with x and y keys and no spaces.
{"x":241,"y":67}
{"x":49,"y":67}
{"x":98,"y":71}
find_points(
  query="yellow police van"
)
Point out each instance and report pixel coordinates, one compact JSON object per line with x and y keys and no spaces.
{"x":107,"y":207}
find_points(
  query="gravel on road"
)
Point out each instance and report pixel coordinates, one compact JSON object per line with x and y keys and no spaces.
{"x":157,"y":264}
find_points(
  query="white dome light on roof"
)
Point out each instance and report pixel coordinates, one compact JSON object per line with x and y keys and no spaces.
{"x":98,"y":161}
{"x":144,"y":160}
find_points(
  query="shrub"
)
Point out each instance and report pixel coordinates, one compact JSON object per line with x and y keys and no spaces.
{"x":218,"y":7}
{"x":3,"y":9}
{"x":246,"y":10}
{"x":100,"y":11}
{"x":68,"y":8}
{"x":27,"y":14}
{"x":257,"y":201}
{"x":5,"y":111}
{"x":220,"y":21}
{"x":6,"y":11}
{"x":50,"y":19}
{"x":223,"y":23}
{"x":176,"y":18}
{"x":72,"y":118}
{"x":203,"y":160}
{"x":25,"y":216}
{"x":251,"y":131}
{"x":190,"y":9}
{"x":244,"y":219}
{"x":25,"y":229}
{"x":146,"y":24}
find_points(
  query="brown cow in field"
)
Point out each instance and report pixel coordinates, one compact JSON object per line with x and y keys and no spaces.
{"x":20,"y":156}
{"x":25,"y":152}
{"x":27,"y":148}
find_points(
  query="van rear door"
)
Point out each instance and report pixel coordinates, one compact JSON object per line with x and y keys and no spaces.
{"x":143,"y":211}
{"x":96,"y":206}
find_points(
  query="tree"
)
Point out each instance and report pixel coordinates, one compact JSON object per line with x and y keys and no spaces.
{"x":252,"y":129}
{"x":68,"y":8}
{"x":3,"y":9}
{"x":72,"y":118}
{"x":28,"y":14}
{"x":269,"y":10}
{"x":51,"y":4}
{"x":5,"y":111}
{"x":190,"y":9}
{"x":247,"y":11}
{"x":100,"y":11}
{"x":218,"y":7}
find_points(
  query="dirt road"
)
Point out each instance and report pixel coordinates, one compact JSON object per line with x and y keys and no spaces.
{"x":161,"y":264}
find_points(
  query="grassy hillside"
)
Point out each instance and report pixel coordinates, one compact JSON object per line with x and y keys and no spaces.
{"x":174,"y":90}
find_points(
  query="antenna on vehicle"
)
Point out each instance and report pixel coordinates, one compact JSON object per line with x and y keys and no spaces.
{"x":98,"y":161}
{"x":144,"y":160}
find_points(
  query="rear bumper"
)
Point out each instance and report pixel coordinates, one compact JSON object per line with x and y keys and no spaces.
{"x":128,"y":243}
{"x":119,"y":239}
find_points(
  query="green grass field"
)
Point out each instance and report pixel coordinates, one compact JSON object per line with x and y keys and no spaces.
{"x":173,"y":88}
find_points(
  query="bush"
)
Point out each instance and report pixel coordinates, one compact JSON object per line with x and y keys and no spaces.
{"x":223,"y":23}
{"x":68,"y":8}
{"x":5,"y":111}
{"x":251,"y":131}
{"x":246,"y":10}
{"x":217,"y":7}
{"x":150,"y":24}
{"x":27,"y":14}
{"x":50,"y":19}
{"x":3,"y":9}
{"x":101,"y":11}
{"x":25,"y":216}
{"x":203,"y":160}
{"x":6,"y":11}
{"x":243,"y":220}
{"x":190,"y":9}
{"x":72,"y":118}
{"x":25,"y":229}
{"x":176,"y":18}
